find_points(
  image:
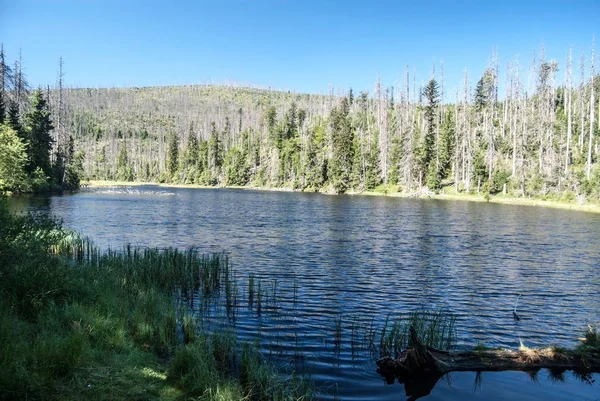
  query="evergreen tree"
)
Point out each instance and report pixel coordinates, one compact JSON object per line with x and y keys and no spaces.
{"x":237,"y":169}
{"x":311,"y":168}
{"x":4,"y":77}
{"x":290,"y":127}
{"x":173,"y":156}
{"x":428,"y":163}
{"x":124,"y":172}
{"x":39,"y":127}
{"x":271,"y":120}
{"x":447,"y":145}
{"x":14,"y":121}
{"x":342,"y":144}
{"x":431,"y":94}
{"x":192,"y":152}
{"x":203,"y":157}
{"x":484,"y":90}
{"x":215,"y":150}
{"x":74,"y":171}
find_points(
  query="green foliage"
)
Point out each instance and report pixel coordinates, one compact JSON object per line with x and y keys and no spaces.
{"x":215,"y":150}
{"x":431,"y":95}
{"x":173,"y":156}
{"x":447,"y":144}
{"x":433,"y":179}
{"x":39,"y":127}
{"x":484,"y":90}
{"x":236,"y":169}
{"x":124,"y":171}
{"x":342,"y":143}
{"x":480,"y":170}
{"x":75,"y":171}
{"x":496,"y":183}
{"x":40,"y":182}
{"x":13,"y":160}
{"x":13,"y":120}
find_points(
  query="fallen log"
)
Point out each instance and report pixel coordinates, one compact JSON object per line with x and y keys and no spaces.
{"x":420,"y":367}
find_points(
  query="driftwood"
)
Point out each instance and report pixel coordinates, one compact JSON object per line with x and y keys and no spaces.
{"x":420,"y":367}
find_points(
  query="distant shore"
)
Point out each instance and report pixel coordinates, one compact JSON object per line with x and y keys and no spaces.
{"x":589,"y":207}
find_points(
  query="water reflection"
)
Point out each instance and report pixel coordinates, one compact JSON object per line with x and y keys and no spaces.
{"x":417,"y":387}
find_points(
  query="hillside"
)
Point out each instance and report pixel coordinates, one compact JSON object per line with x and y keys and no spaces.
{"x":532,"y":141}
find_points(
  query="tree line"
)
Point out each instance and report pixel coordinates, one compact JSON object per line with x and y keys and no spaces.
{"x":36,"y":151}
{"x":536,"y":138}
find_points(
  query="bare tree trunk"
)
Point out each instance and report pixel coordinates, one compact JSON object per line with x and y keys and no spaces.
{"x":569,"y":113}
{"x":589,"y":156}
{"x":582,"y":103}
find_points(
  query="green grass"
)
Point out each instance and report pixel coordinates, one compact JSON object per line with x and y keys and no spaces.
{"x":77,"y":323}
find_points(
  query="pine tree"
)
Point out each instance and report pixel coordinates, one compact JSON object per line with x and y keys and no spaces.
{"x":39,"y":127}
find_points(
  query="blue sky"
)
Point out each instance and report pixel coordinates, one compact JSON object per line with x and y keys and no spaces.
{"x":303,"y":46}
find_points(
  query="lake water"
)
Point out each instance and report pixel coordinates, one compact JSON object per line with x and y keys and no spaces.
{"x":360,"y":259}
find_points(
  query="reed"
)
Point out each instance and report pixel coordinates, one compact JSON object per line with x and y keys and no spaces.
{"x":337,"y":337}
{"x":94,"y":316}
{"x":259,"y":297}
{"x":436,"y":329}
{"x":251,"y":290}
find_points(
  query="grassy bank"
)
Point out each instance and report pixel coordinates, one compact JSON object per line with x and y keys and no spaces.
{"x":77,"y":323}
{"x":447,"y":193}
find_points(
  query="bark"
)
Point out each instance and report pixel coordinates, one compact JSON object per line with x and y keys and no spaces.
{"x":420,"y":367}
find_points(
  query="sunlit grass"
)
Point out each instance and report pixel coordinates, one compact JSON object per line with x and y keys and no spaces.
{"x":77,"y":323}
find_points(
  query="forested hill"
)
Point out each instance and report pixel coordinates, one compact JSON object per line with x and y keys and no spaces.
{"x":538,"y":137}
{"x":535,"y":140}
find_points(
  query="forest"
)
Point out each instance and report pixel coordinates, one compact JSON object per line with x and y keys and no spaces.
{"x":37,"y":151}
{"x":531,"y":132}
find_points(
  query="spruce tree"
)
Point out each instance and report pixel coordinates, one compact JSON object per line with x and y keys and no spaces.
{"x":342,"y":144}
{"x":447,"y":145}
{"x":428,"y":164}
{"x":14,"y":121}
{"x":39,"y":126}
{"x":431,"y":94}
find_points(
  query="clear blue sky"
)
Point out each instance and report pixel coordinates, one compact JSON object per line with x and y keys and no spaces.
{"x":303,"y":46}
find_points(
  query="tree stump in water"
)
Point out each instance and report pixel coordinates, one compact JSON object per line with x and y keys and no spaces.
{"x":420,"y":367}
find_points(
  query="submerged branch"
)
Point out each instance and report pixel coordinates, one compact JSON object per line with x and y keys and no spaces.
{"x":420,"y":367}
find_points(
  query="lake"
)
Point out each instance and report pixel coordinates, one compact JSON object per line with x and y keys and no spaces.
{"x":360,"y":259}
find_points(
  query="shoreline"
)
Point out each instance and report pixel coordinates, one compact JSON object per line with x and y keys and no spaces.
{"x":588,"y":207}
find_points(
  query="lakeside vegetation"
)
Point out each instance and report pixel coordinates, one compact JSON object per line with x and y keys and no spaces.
{"x":143,"y":323}
{"x":79,"y":323}
{"x":37,"y":151}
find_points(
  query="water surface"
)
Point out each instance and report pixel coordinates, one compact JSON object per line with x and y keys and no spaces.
{"x":364,"y":258}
